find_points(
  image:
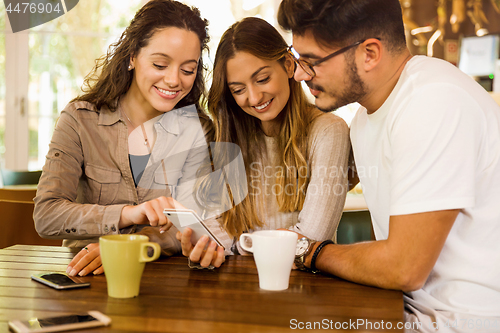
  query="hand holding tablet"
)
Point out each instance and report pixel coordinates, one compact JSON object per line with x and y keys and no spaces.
{"x":187,"y":218}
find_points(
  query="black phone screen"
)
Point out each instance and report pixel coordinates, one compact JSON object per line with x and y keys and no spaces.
{"x":56,"y":321}
{"x":59,"y":279}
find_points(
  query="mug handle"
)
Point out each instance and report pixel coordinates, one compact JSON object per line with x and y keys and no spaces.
{"x":243,"y":243}
{"x":143,"y":257}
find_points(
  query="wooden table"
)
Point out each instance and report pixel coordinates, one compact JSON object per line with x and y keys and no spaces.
{"x":174,"y":298}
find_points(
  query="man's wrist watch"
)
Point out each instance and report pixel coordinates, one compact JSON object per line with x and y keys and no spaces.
{"x":304,"y":248}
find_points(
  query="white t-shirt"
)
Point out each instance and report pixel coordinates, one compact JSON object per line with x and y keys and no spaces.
{"x":435,"y":145}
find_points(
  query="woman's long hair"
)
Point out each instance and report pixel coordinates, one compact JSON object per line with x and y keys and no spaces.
{"x":257,"y":37}
{"x":110,"y":78}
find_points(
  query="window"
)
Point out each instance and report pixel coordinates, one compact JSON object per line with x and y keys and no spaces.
{"x":54,"y":57}
{"x":61,"y":53}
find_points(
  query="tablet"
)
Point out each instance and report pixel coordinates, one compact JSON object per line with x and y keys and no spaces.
{"x":187,"y":218}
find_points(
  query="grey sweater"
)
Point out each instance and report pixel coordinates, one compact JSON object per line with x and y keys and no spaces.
{"x":328,"y":148}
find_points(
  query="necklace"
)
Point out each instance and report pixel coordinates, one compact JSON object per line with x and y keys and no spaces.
{"x":146,"y":142}
{"x":130,"y":121}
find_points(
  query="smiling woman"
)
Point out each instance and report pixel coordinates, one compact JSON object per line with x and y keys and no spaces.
{"x":165,"y":71}
{"x":246,"y":74}
{"x":257,"y":105}
{"x":110,"y":167}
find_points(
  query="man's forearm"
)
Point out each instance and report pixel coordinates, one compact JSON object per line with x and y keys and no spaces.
{"x":403,"y":261}
{"x":369,"y":263}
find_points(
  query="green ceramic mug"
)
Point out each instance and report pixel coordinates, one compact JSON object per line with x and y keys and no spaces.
{"x":123,"y":258}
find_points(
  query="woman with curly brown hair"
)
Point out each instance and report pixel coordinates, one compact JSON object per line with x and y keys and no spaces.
{"x":129,"y":146}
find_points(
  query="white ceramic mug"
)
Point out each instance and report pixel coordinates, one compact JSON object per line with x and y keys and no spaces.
{"x":274,"y":253}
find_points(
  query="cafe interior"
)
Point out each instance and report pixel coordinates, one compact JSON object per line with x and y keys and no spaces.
{"x":43,"y":68}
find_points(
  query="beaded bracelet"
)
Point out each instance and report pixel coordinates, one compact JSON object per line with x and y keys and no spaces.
{"x":316,"y":254}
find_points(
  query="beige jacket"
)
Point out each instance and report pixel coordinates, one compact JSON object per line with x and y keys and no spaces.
{"x":87,"y":179}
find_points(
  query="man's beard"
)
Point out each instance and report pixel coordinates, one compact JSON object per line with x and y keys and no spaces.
{"x":353,"y":90}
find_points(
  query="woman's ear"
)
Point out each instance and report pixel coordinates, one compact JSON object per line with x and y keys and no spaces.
{"x":289,"y":66}
{"x":131,"y":64}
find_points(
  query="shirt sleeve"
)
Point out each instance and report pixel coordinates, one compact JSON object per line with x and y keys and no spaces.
{"x":327,"y":188}
{"x":433,"y":147}
{"x":57,"y":213}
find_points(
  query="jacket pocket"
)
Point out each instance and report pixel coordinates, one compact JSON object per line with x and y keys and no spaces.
{"x":103,"y":184}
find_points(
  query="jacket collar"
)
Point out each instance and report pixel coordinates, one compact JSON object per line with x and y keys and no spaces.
{"x":108,"y":117}
{"x":170,"y":121}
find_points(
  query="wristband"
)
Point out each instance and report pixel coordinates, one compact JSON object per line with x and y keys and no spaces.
{"x":316,"y":254}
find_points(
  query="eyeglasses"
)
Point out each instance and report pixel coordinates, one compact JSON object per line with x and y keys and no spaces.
{"x":307,"y":66}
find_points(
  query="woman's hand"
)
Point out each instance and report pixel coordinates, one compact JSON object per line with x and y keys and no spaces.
{"x":212,"y":255}
{"x":87,"y":261}
{"x":149,"y":212}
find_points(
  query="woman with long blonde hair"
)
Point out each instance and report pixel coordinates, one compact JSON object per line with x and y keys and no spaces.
{"x":295,"y":157}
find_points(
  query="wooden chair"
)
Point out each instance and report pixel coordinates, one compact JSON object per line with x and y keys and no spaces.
{"x":10,"y":177}
{"x":17,"y":226}
{"x":17,"y":194}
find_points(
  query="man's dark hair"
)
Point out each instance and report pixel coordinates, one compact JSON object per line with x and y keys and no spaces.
{"x":340,"y":22}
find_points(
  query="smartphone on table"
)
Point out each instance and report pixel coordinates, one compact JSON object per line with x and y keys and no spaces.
{"x":187,"y":218}
{"x":59,"y":280}
{"x":61,"y":323}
